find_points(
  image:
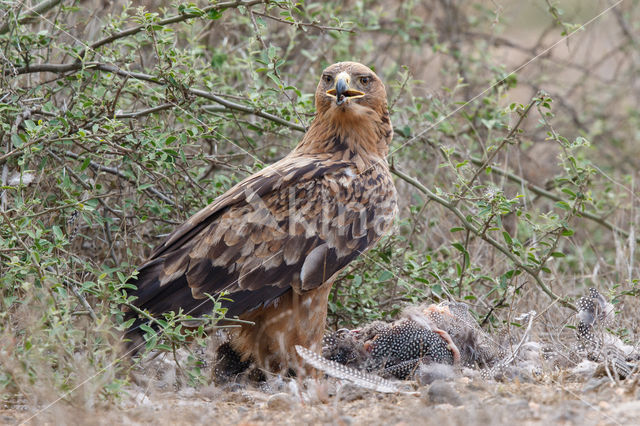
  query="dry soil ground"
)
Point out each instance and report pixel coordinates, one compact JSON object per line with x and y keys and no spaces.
{"x":551,"y":399}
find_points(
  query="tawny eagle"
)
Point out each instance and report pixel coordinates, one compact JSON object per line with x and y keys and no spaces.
{"x":276,"y":241}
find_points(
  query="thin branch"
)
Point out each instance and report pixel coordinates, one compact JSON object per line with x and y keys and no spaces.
{"x":77,"y":66}
{"x":624,"y":25}
{"x":214,"y":108}
{"x":141,"y":113}
{"x":544,"y":193}
{"x":81,"y":181}
{"x":486,"y":163}
{"x":32,"y":13}
{"x":27,"y":250}
{"x":531,"y":316}
{"x":171,"y":20}
{"x":247,"y":109}
{"x":69,"y":205}
{"x":114,"y":171}
{"x":79,"y":296}
{"x":274,"y":61}
{"x":24,"y":115}
{"x":468,"y":225}
{"x":314,"y":24}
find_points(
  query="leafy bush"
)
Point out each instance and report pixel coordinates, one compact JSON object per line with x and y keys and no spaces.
{"x":518,"y":189}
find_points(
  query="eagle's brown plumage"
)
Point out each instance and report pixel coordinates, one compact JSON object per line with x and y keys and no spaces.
{"x":275,"y":241}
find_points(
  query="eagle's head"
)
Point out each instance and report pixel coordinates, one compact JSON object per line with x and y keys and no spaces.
{"x":350,"y":88}
{"x":351,"y":115}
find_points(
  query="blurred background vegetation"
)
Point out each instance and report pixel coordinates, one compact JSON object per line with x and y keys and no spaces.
{"x":516,"y":153}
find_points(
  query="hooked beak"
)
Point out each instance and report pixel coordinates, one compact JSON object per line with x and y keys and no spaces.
{"x":342,"y":91}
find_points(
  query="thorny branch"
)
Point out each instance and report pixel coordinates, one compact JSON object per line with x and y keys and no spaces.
{"x":77,"y":66}
{"x":471,"y":227}
{"x":547,"y":194}
{"x":506,"y":139}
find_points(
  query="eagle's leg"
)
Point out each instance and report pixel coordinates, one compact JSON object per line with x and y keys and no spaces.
{"x":293,"y":319}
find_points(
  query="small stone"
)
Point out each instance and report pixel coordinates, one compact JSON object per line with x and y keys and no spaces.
{"x":443,"y":393}
{"x":594,"y":384}
{"x":520,"y":409}
{"x":280,"y":401}
{"x":349,"y":392}
{"x":429,"y":373}
{"x":8,"y":420}
{"x":629,"y":410}
{"x":477,"y":386}
{"x":345,"y":420}
{"x":569,"y":416}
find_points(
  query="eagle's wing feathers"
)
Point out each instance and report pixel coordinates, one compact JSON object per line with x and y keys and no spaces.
{"x":293,"y":225}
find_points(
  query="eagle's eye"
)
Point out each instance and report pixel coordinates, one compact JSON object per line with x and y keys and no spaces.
{"x":327,"y":78}
{"x":365,"y":79}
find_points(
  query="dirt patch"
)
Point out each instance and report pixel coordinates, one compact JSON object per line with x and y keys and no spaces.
{"x":463,"y":400}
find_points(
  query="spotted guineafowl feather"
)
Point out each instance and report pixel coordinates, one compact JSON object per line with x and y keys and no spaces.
{"x":340,"y":371}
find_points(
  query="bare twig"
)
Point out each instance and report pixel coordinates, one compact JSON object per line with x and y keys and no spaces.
{"x":530,"y":315}
{"x":141,"y":113}
{"x":76,"y":293}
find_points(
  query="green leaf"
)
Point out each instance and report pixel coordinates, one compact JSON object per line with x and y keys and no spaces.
{"x":218,"y":59}
{"x":57,"y":232}
{"x":148,"y":330}
{"x":192,"y":11}
{"x":459,"y":247}
{"x":18,"y":140}
{"x":144,"y":186}
{"x":85,"y":163}
{"x":507,"y":237}
{"x":214,"y":14}
{"x":128,"y":323}
{"x":385,"y":276}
